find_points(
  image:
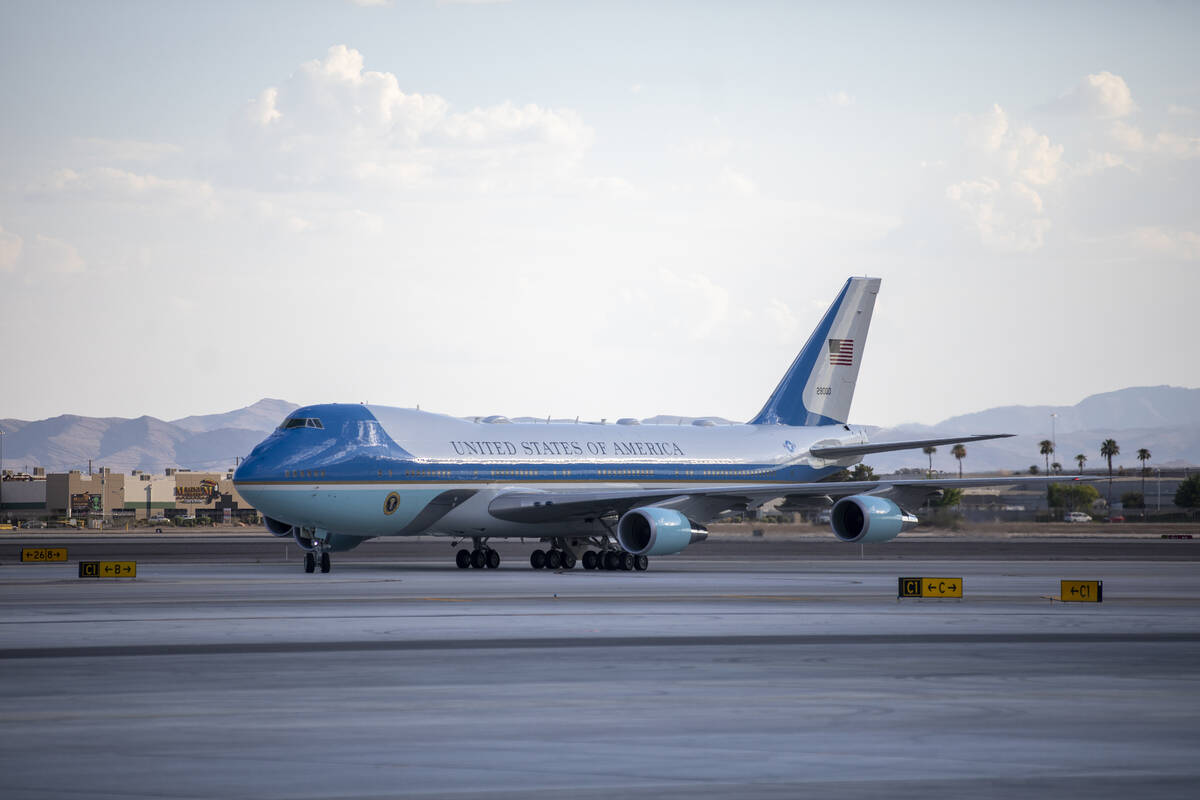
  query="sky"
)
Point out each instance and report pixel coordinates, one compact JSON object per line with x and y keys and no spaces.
{"x":599,"y":209}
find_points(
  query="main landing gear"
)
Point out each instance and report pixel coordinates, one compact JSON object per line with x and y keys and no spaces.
{"x":609,"y":558}
{"x":479,"y":557}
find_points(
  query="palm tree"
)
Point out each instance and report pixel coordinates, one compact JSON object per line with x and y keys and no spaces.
{"x":1108,"y":449}
{"x":1057,"y":467}
{"x":1143,"y":456}
{"x":959,"y":452}
{"x":1047,"y":449}
{"x":1081,"y":459}
{"x":929,"y":451}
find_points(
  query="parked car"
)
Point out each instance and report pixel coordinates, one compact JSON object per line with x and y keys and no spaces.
{"x":1115,"y":518}
{"x":823,"y":518}
{"x":1077,"y":516}
{"x":33,"y":523}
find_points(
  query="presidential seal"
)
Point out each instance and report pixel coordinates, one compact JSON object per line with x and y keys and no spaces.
{"x":391,"y":503}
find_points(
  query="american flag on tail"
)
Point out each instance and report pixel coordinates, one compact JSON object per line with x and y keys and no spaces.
{"x":841,"y":352}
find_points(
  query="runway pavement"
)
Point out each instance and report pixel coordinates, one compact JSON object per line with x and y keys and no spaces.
{"x":752,"y":674}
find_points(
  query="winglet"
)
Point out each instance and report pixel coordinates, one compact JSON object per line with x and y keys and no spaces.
{"x":819,"y":386}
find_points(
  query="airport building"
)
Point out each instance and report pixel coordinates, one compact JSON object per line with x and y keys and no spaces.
{"x":107,"y":495}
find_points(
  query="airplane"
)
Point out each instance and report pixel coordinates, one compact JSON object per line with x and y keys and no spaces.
{"x":610,"y":495}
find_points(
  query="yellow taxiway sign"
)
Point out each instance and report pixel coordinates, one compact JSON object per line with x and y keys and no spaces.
{"x":930,"y":587}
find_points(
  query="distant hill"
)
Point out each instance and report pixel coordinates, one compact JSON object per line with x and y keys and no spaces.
{"x":1163,"y":419}
{"x":209,"y":442}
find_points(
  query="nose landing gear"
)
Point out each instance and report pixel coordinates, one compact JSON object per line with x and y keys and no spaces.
{"x":314,"y":547}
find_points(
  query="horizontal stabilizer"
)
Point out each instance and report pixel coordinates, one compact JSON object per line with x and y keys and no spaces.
{"x":846,"y":451}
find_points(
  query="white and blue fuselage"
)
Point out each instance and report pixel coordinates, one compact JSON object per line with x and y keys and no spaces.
{"x":337,"y":469}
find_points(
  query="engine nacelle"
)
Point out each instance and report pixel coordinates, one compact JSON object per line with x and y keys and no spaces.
{"x":334,"y":542}
{"x":277,"y":528}
{"x":866,"y":518}
{"x":652,"y":531}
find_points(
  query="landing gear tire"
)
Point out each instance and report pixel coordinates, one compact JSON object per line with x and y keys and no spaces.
{"x":612,"y":560}
{"x":537,"y":559}
{"x":590,"y":559}
{"x":568,"y":560}
{"x":325,"y":565}
{"x":463,"y":558}
{"x":493,"y":559}
{"x":310,"y":562}
{"x":553,"y":559}
{"x":627,"y":562}
{"x":641,"y":563}
{"x":478,"y":559}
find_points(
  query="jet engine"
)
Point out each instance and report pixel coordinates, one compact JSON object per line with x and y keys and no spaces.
{"x":334,"y":542}
{"x":277,"y":528}
{"x":866,"y":518}
{"x":653,"y":531}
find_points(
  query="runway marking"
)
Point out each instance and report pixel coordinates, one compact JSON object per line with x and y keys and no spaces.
{"x":650,"y":640}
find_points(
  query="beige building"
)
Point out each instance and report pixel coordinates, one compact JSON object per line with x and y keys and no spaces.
{"x":73,"y":494}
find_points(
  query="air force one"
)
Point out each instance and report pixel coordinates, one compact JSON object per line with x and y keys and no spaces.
{"x":335,"y":475}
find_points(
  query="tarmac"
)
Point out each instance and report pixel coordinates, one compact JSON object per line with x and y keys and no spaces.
{"x":761,"y":670}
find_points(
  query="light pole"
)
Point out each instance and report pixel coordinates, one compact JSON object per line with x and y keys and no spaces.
{"x":1053,"y":438}
{"x":1,"y":471}
{"x":1158,"y":502}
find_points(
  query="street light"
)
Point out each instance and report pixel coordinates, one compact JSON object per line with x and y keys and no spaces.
{"x":1053,"y":438}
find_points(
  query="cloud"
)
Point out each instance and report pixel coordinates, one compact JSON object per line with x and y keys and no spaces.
{"x":1176,"y":146}
{"x":1166,"y":143}
{"x":370,"y":3}
{"x":999,"y":201}
{"x":112,"y":185}
{"x":126,"y":150}
{"x":1007,"y":216}
{"x":1166,"y":242}
{"x":10,"y":250}
{"x":1127,"y":136}
{"x":1098,"y":162}
{"x":1101,"y":95}
{"x":735,"y":182}
{"x":333,"y":122}
{"x":1022,"y":152}
{"x":45,"y":254}
{"x":840,"y":99}
{"x":1181,"y":111}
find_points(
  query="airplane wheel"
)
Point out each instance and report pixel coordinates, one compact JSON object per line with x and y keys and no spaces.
{"x":553,"y":559}
{"x":325,"y":562}
{"x":611,"y":560}
{"x":641,"y":563}
{"x":463,"y":558}
{"x":626,"y":561}
{"x":478,"y":559}
{"x":589,"y":559}
{"x":568,"y":560}
{"x":310,"y":562}
{"x":493,"y":559}
{"x":537,"y":559}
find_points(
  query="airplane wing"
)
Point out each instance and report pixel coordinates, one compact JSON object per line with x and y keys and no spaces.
{"x":844,"y":451}
{"x":523,"y":505}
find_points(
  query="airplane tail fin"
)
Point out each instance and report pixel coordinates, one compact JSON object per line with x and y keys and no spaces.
{"x":818,"y":387}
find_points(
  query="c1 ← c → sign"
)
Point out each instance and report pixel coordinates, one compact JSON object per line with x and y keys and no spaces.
{"x":930,"y":587}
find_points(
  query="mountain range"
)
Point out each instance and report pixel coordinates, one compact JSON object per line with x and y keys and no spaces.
{"x":1163,"y":419}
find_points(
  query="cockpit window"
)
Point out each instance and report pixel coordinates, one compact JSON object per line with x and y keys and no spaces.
{"x":301,"y":422}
